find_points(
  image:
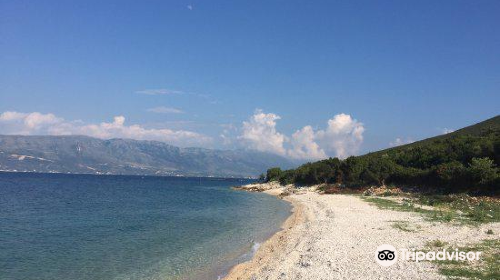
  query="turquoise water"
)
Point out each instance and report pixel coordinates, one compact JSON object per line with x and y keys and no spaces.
{"x":55,"y":226}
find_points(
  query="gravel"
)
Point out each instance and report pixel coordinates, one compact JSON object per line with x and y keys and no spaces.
{"x":336,"y":236}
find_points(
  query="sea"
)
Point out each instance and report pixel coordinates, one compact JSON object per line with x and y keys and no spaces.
{"x":58,"y":226}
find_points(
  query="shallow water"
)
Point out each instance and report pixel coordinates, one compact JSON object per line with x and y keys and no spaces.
{"x":55,"y":226}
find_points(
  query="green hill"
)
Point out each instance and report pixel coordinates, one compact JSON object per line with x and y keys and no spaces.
{"x":478,"y":129}
{"x":466,"y":160}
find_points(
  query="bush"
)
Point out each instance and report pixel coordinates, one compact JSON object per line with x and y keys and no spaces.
{"x":273,"y":174}
{"x":483,"y":170}
{"x":463,"y":163}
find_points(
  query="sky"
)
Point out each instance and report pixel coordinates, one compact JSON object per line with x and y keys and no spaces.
{"x":303,"y":79}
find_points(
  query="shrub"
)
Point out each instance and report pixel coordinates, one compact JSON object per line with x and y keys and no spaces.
{"x":273,"y":174}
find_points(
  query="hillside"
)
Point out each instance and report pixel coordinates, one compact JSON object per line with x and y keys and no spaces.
{"x":466,"y":160}
{"x":492,"y":124}
{"x":86,"y":155}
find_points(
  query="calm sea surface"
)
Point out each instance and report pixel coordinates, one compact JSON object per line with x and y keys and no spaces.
{"x":55,"y":226}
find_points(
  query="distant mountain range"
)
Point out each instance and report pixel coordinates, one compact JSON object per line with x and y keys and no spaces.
{"x":87,"y":155}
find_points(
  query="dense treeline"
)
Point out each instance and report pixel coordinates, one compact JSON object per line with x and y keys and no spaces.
{"x":456,"y":163}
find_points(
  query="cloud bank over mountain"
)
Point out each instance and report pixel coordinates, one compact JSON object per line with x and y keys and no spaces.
{"x":49,"y":124}
{"x":341,"y":137}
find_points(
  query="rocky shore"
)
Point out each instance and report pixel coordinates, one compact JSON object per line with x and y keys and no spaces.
{"x":336,"y":236}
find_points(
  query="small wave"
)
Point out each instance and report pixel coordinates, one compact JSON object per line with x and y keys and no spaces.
{"x":255,"y":247}
{"x":245,"y":257}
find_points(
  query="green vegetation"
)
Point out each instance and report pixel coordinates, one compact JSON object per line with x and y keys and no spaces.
{"x":436,"y":243}
{"x":488,"y":267}
{"x":461,"y":209}
{"x":465,"y":161}
{"x":409,"y":205}
{"x":404,"y":226}
{"x":382,"y":203}
{"x":464,"y":207}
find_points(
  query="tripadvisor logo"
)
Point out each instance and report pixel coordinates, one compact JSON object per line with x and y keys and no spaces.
{"x":387,"y":255}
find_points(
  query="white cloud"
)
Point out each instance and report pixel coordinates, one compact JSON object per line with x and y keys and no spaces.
{"x":36,"y":119}
{"x":165,"y":110}
{"x":342,"y":137}
{"x":447,"y":130}
{"x":190,"y":7}
{"x":304,"y":145}
{"x":260,"y":133}
{"x":159,"y":91}
{"x":48,"y":124}
{"x":10,"y":116}
{"x":27,"y":123}
{"x":400,"y":141}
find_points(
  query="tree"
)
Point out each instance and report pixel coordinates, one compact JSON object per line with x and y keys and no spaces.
{"x":273,"y":174}
{"x":287,"y":177}
{"x":483,"y":170}
{"x":449,"y":171}
{"x":462,"y":162}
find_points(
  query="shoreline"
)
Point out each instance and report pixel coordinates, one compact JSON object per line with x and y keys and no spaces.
{"x":275,"y":243}
{"x":262,"y":245}
{"x":335,"y":236}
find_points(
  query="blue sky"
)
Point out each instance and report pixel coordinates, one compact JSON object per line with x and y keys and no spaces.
{"x":187,"y":72}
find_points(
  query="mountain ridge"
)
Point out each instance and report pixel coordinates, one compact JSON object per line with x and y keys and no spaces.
{"x":79,"y":154}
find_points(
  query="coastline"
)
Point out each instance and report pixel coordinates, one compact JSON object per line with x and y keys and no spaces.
{"x":261,"y":250}
{"x":336,"y":236}
{"x":273,"y":246}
